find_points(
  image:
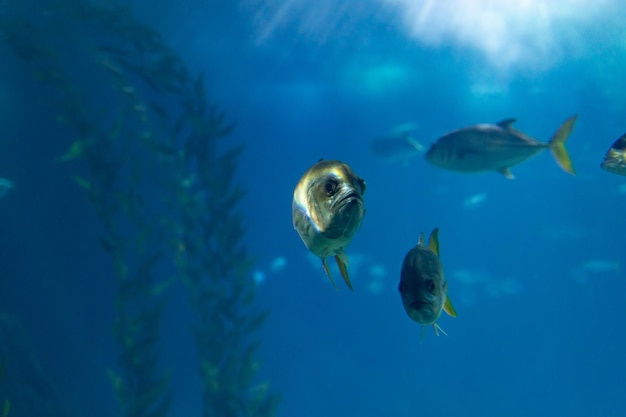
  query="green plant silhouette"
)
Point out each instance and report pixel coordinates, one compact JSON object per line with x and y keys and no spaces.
{"x":160,"y":176}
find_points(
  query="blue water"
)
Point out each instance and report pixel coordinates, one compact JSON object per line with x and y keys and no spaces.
{"x":535,"y":266}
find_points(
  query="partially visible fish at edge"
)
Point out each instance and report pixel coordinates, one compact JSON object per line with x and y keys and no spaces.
{"x":615,"y":158}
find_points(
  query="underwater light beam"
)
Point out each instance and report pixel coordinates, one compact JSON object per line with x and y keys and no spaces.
{"x":524,"y":33}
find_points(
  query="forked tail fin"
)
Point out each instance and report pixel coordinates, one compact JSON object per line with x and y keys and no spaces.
{"x":557,"y":145}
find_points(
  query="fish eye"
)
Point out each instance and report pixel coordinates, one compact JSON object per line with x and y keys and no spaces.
{"x":361,"y":182}
{"x":331,"y":186}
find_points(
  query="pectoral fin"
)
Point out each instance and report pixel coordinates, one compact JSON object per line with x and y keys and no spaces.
{"x":327,"y":270}
{"x":342,"y":262}
{"x":433,"y":241}
{"x":507,"y":173}
{"x":449,"y":308}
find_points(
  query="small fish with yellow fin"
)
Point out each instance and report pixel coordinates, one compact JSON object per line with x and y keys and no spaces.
{"x":423,"y":286}
{"x":327,"y":210}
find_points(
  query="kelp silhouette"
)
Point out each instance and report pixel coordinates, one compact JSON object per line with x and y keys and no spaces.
{"x":160,"y":179}
{"x":25,"y":387}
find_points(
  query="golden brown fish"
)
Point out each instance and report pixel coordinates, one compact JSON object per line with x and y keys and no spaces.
{"x":327,"y":211}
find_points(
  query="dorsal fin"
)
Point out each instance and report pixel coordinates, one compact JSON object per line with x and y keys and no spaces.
{"x":620,"y":144}
{"x":420,"y":242}
{"x":507,"y":123}
{"x":433,"y":241}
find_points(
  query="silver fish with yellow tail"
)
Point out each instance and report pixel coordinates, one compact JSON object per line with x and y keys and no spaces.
{"x":398,"y":147}
{"x":423,"y":286}
{"x":327,"y":211}
{"x":497,"y":147}
{"x":615,"y":158}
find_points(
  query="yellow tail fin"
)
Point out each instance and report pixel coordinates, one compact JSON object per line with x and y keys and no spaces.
{"x":557,"y":145}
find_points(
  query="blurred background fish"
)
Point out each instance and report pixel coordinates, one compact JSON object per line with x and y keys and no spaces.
{"x":276,"y":266}
{"x":600,"y":265}
{"x":474,"y":201}
{"x":399,"y":147}
{"x":5,"y":187}
{"x":592,"y":268}
{"x":615,"y":158}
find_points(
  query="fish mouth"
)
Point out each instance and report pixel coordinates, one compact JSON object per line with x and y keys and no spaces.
{"x":419,"y":304}
{"x":347,"y":198}
{"x":423,"y":312}
{"x":347,"y":212}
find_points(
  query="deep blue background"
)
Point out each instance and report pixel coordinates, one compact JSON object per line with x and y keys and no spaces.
{"x":552,"y":344}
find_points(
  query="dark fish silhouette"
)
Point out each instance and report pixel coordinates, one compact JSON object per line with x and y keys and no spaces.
{"x":423,"y":286}
{"x":398,"y":147}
